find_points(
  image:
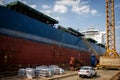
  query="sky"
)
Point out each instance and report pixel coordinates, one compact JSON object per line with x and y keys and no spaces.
{"x":77,"y":14}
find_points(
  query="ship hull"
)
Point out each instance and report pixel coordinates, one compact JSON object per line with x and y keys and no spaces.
{"x":20,"y":53}
{"x":25,"y":41}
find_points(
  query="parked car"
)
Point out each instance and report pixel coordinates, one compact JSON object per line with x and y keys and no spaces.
{"x":87,"y":71}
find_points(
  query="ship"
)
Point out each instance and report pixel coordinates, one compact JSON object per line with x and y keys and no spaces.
{"x":29,"y":38}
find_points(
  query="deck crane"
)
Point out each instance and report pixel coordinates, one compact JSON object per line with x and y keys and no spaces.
{"x":111,"y":58}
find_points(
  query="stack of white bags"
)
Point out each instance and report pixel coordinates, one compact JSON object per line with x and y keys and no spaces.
{"x":40,"y":71}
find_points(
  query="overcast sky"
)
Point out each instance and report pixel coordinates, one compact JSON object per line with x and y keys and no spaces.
{"x":78,"y":14}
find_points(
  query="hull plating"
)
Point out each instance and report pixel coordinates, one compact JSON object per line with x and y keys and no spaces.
{"x":25,"y":52}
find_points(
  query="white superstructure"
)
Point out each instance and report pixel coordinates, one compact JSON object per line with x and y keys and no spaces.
{"x":95,"y":34}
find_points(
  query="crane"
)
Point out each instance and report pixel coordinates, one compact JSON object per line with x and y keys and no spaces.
{"x":111,"y":58}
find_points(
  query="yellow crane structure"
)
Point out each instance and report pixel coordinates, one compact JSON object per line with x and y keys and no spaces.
{"x":111,"y":58}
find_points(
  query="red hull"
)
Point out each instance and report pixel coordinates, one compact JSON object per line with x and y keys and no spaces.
{"x":18,"y":51}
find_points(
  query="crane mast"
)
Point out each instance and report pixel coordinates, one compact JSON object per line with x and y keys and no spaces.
{"x":111,"y":58}
{"x":110,"y":30}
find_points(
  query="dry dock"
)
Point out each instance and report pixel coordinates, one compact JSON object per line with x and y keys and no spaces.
{"x":72,"y":75}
